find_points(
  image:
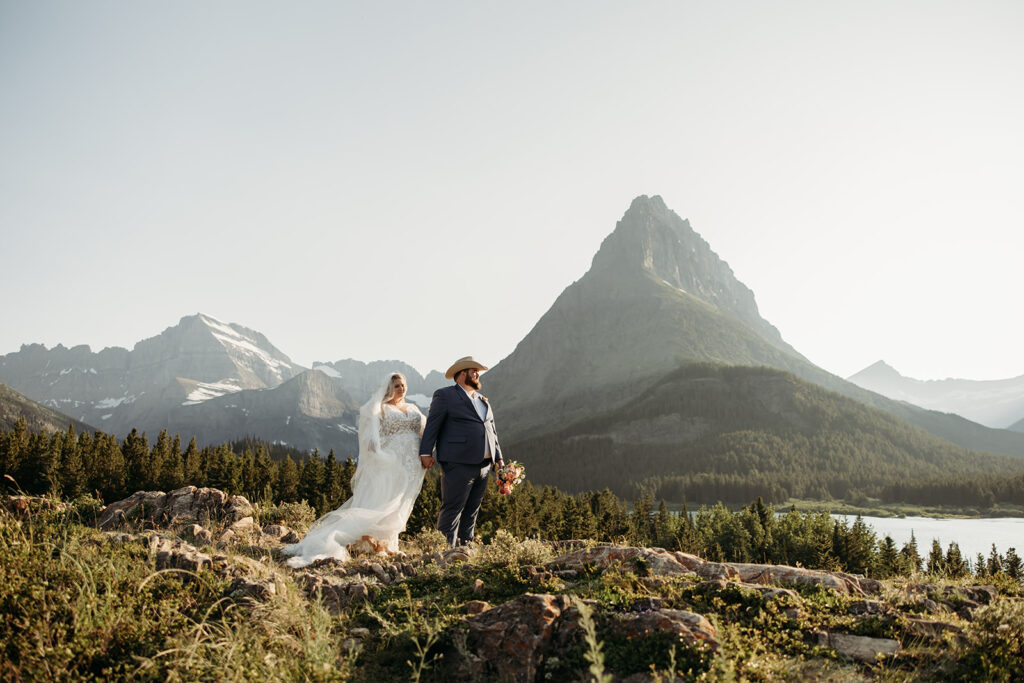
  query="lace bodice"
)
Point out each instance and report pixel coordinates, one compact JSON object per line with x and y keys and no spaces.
{"x":395,"y":424}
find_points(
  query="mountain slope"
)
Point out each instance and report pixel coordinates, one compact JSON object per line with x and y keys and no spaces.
{"x":310,"y":410}
{"x":656,"y":298}
{"x":994,"y":403}
{"x":706,"y":432}
{"x":14,"y":406}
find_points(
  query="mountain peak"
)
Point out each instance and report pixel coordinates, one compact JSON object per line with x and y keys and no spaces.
{"x":879,"y":370}
{"x":651,"y":239}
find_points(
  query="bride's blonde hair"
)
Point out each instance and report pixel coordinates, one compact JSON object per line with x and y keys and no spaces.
{"x":390,"y":392}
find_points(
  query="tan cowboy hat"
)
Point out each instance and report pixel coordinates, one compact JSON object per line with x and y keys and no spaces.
{"x":464,"y":363}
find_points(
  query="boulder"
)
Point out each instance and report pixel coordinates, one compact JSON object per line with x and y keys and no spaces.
{"x":508,"y":640}
{"x":184,"y":505}
{"x":692,"y":628}
{"x":173,"y":554}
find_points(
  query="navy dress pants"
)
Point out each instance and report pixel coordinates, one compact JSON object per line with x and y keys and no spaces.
{"x":462,"y":490}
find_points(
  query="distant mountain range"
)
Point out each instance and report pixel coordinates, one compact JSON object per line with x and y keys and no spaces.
{"x":213,"y":380}
{"x":994,"y":403}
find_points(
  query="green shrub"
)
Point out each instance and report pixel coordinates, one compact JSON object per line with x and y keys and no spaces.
{"x":505,"y":550}
{"x":296,"y":516}
{"x":994,"y":647}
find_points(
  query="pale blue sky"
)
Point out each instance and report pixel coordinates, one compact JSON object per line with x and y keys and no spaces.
{"x":421,"y":180}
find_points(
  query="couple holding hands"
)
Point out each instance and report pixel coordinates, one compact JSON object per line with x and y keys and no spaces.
{"x":397,"y":445}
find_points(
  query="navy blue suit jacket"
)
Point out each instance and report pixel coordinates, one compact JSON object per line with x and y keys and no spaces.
{"x":456,"y":430}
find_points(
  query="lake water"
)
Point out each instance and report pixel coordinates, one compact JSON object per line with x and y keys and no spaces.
{"x":972,"y":535}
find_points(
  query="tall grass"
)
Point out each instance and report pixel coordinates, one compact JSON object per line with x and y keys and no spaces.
{"x":73,"y":606}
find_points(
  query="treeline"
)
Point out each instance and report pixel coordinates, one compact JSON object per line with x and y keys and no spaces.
{"x":72,"y":465}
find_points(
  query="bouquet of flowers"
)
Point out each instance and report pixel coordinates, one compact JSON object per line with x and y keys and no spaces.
{"x":509,"y":476}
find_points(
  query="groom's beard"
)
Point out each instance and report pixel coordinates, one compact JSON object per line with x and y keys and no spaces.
{"x":475,"y":383}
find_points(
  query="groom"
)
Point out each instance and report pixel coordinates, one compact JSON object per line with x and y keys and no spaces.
{"x":460,"y":425}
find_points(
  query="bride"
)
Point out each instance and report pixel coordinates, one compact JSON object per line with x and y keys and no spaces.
{"x":386,"y":483}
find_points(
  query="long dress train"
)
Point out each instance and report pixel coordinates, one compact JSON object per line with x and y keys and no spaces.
{"x":387,"y":481}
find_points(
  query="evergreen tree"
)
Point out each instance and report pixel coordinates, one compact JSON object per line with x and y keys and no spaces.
{"x":109,"y":471}
{"x":859,"y":547}
{"x":192,"y":474}
{"x":331,"y":484}
{"x":71,"y":469}
{"x":888,"y":559}
{"x":577,"y":520}
{"x":664,"y":528}
{"x":311,"y":477}
{"x":956,"y":566}
{"x":936,"y":560}
{"x":135,"y":449}
{"x":12,"y":455}
{"x":167,"y":457}
{"x":980,"y":567}
{"x":995,"y":562}
{"x":158,"y":459}
{"x":910,"y":557}
{"x":287,"y":485}
{"x":641,"y":526}
{"x":1012,"y":565}
{"x":263,"y":475}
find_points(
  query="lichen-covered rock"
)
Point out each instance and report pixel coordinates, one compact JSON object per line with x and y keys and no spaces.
{"x":781,"y":574}
{"x":188,"y":504}
{"x":259,"y":590}
{"x":692,"y":628}
{"x":174,"y":554}
{"x":861,"y":648}
{"x":508,"y":640}
{"x":653,"y":560}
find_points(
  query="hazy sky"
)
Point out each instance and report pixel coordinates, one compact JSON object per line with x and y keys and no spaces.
{"x":420,"y":180}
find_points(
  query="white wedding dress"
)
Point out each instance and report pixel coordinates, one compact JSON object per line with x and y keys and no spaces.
{"x":387,"y":481}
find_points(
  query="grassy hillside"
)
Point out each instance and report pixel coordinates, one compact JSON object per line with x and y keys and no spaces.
{"x":37,"y":417}
{"x":706,"y":433}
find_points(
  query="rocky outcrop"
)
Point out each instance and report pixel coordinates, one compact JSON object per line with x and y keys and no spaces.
{"x":510,"y":640}
{"x":188,"y":504}
{"x":665,"y":563}
{"x":513,"y":640}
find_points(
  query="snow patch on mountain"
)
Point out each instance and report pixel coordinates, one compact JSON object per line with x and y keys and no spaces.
{"x":204,"y":391}
{"x":232,"y":340}
{"x":113,"y":402}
